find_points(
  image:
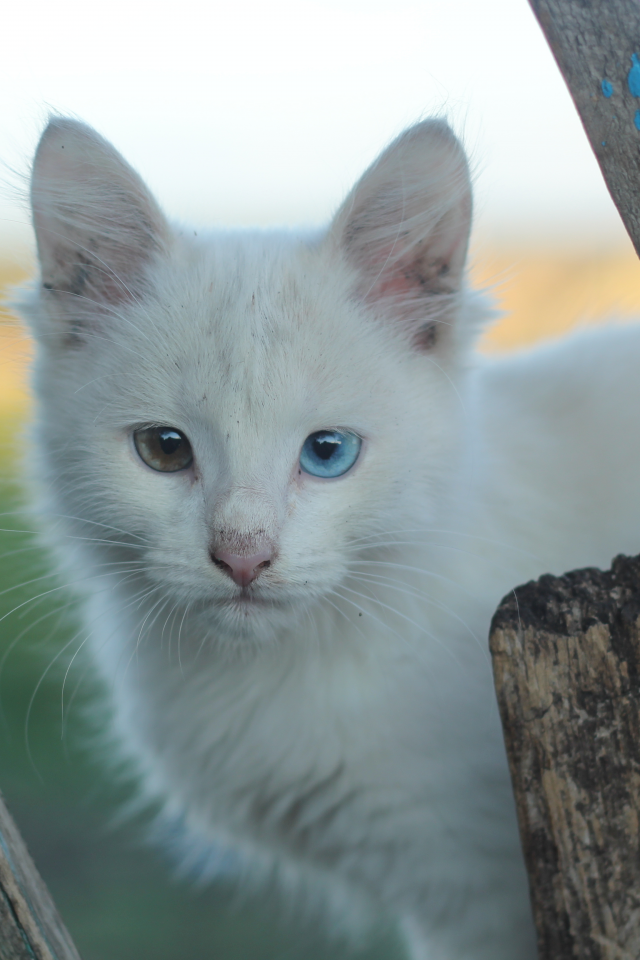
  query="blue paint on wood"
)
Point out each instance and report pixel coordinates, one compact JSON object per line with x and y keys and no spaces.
{"x":604,"y":143}
{"x":607,"y":88}
{"x":633,"y":77}
{"x":636,"y":119}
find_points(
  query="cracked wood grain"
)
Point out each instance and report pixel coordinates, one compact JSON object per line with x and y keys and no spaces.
{"x":30,"y":927}
{"x":596,"y":44}
{"x":566,"y":654}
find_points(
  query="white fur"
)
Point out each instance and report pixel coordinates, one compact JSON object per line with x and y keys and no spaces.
{"x":343,"y":723}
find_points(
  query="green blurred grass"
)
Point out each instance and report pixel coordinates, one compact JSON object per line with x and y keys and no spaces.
{"x":116,"y":894}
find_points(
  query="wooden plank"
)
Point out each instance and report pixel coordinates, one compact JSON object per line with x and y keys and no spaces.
{"x":566,"y":654}
{"x":596,"y":44}
{"x":30,"y":927}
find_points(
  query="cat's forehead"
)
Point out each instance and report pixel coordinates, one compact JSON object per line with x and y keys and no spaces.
{"x":256,"y":323}
{"x":261,"y":293}
{"x":244,"y":309}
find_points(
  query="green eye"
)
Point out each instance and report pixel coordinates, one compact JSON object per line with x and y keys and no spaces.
{"x":163,"y":448}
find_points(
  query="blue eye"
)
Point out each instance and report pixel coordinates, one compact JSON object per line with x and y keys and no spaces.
{"x":329,"y":453}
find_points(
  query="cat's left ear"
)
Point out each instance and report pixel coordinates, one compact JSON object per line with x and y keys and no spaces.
{"x":97,"y":226}
{"x":405,"y":229}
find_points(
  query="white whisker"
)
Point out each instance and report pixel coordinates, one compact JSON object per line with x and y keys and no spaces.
{"x":422,"y":629}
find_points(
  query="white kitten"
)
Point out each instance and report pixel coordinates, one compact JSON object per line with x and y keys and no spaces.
{"x":295,"y":498}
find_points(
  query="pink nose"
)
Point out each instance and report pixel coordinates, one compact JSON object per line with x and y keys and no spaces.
{"x":242,"y":570}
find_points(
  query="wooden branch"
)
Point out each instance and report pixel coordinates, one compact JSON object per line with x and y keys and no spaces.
{"x":566,"y":653}
{"x":596,"y":44}
{"x":30,"y":928}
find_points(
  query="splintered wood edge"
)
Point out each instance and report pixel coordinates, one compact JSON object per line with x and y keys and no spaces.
{"x":31,"y":926}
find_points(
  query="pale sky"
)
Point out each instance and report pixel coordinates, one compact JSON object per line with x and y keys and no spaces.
{"x":258,"y":113}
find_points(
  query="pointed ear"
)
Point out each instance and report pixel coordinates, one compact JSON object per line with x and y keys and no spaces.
{"x":96,"y":224}
{"x":405,"y":229}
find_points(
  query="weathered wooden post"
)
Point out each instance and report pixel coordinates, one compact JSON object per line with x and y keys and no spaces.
{"x":596,"y":44}
{"x":566,"y":654}
{"x":30,"y":928}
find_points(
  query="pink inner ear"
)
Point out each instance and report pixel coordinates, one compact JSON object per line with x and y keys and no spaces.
{"x":397,"y":285}
{"x":391,"y":276}
{"x":421,"y":272}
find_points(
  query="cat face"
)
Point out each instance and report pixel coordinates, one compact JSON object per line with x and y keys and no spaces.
{"x":242,"y":414}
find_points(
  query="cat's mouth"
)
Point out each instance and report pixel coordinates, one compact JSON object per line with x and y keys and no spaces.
{"x":245,"y":599}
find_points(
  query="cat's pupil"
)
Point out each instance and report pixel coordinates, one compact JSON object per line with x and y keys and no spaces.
{"x":325,"y":447}
{"x":169,"y":441}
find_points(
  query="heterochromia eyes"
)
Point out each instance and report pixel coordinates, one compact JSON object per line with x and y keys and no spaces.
{"x":326,"y":453}
{"x":163,"y":448}
{"x":329,"y":453}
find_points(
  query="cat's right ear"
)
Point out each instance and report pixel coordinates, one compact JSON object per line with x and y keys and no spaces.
{"x":404,"y":230}
{"x":97,"y":226}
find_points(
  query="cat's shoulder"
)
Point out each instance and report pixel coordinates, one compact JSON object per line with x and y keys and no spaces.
{"x":591,"y":368}
{"x":562,"y":421}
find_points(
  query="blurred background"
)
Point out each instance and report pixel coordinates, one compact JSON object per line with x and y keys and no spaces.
{"x":254,"y":114}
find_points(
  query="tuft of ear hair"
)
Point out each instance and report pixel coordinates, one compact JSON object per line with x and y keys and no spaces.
{"x":96,"y":224}
{"x":405,"y":229}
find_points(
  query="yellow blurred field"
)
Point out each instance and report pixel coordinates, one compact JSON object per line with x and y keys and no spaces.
{"x":542,"y":292}
{"x":15,"y":348}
